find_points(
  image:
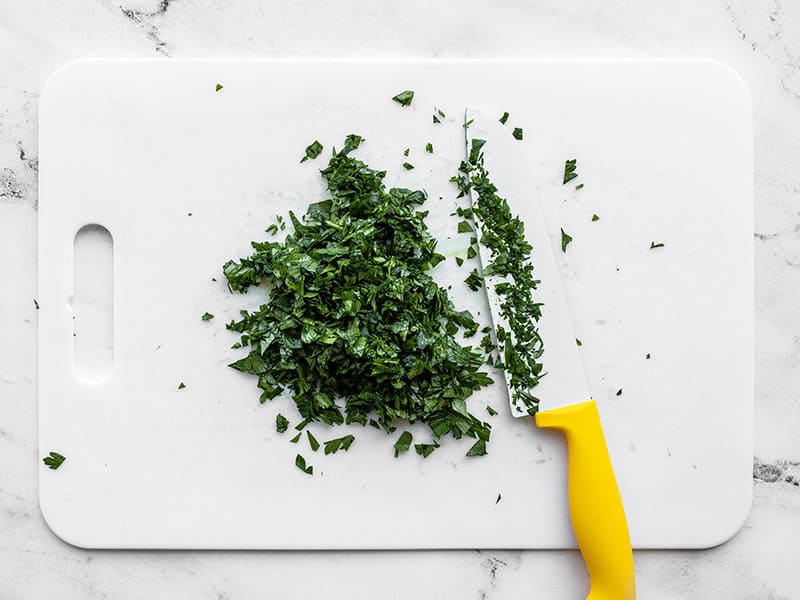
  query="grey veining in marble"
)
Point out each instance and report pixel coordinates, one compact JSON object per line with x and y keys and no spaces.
{"x":761,"y":40}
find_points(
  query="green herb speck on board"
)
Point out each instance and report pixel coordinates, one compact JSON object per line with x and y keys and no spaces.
{"x":300,"y":463}
{"x":313,"y":150}
{"x":54,"y":460}
{"x":404,"y":98}
{"x":570,"y":167}
{"x":218,"y":87}
{"x":517,"y":133}
{"x":207,"y":316}
{"x":504,"y":118}
{"x":565,"y":240}
{"x":658,"y":245}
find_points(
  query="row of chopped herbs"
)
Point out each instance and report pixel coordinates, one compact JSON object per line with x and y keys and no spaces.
{"x":519,"y":347}
{"x":355,"y":327}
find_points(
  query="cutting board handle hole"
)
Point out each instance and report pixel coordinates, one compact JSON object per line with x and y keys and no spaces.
{"x":93,"y":303}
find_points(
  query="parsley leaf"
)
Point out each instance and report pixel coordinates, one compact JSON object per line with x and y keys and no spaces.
{"x":181,"y":385}
{"x":579,"y":186}
{"x":408,"y":166}
{"x":404,"y":98}
{"x":313,"y":150}
{"x":295,"y":439}
{"x":218,"y":87}
{"x":477,"y":449}
{"x":465,"y":227}
{"x":504,"y":118}
{"x":344,"y":443}
{"x":402,"y":444}
{"x":565,"y":240}
{"x":429,"y":148}
{"x":490,"y":410}
{"x":207,"y":316}
{"x":406,"y":151}
{"x":312,"y":441}
{"x":425,"y":450}
{"x":300,"y":463}
{"x":281,"y":423}
{"x":569,"y":170}
{"x":517,"y":133}
{"x":54,"y":460}
{"x":595,"y":218}
{"x":459,"y":261}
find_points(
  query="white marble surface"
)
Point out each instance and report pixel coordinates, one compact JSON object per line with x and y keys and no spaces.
{"x":759,"y":39}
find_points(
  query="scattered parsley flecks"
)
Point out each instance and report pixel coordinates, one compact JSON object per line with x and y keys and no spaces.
{"x":499,"y":497}
{"x":425,"y":450}
{"x":406,"y":151}
{"x":565,"y":240}
{"x":595,"y":218}
{"x":578,"y":342}
{"x":403,"y":443}
{"x":519,"y":346}
{"x":295,"y":439}
{"x":429,"y":148}
{"x":36,"y":303}
{"x":619,"y":392}
{"x":408,"y":166}
{"x":356,"y":330}
{"x":54,"y":460}
{"x":492,"y":412}
{"x":517,"y":133}
{"x":313,"y":150}
{"x":300,"y":463}
{"x":207,"y":316}
{"x":218,"y":87}
{"x":570,"y":167}
{"x":579,"y":186}
{"x":181,"y":385}
{"x":504,"y":118}
{"x":343,"y":443}
{"x":281,"y":423}
{"x":404,"y":98}
{"x":658,"y":245}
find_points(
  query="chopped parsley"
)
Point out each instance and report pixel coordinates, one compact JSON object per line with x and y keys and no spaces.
{"x":281,"y":423}
{"x":408,"y":166}
{"x":300,"y":463}
{"x":403,"y":443}
{"x":569,"y":170}
{"x":499,"y":496}
{"x":492,"y":412}
{"x":565,"y":240}
{"x":579,"y":186}
{"x":54,"y":460}
{"x":508,"y":262}
{"x":595,"y":218}
{"x":36,"y":303}
{"x":504,"y":118}
{"x":648,"y":356}
{"x":404,"y":98}
{"x":406,"y":151}
{"x":313,"y":150}
{"x":181,"y":386}
{"x":218,"y":87}
{"x":343,"y":443}
{"x":295,"y":439}
{"x":619,"y":392}
{"x":356,"y":330}
{"x":312,"y":441}
{"x":207,"y":316}
{"x":425,"y":450}
{"x":658,"y":245}
{"x":517,"y":133}
{"x":578,"y":342}
{"x":429,"y":148}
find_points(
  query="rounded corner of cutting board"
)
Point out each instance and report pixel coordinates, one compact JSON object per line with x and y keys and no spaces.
{"x":61,"y":523}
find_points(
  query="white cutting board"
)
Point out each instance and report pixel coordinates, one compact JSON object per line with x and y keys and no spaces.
{"x":664,"y":149}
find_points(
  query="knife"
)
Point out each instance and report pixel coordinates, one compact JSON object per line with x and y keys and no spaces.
{"x":598,"y":517}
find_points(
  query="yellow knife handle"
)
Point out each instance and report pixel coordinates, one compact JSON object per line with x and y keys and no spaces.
{"x":598,"y":518}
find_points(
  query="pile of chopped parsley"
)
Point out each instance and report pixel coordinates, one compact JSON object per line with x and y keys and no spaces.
{"x":355,"y":329}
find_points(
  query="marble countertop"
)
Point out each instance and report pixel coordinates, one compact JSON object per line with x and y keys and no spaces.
{"x":760,"y":40}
